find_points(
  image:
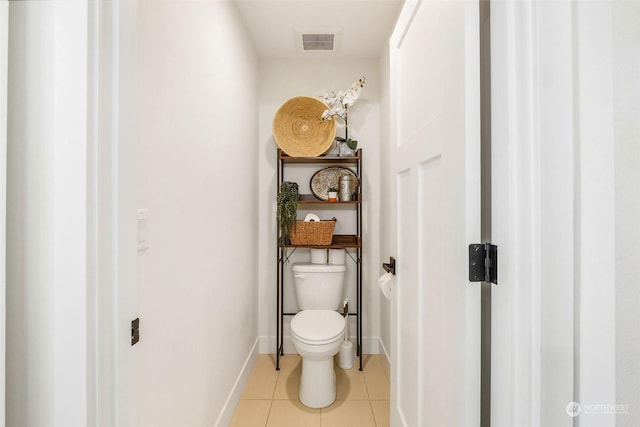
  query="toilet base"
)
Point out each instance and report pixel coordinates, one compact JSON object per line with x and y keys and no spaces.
{"x":317,"y":382}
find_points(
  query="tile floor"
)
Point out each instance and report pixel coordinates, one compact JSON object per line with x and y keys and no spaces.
{"x":271,"y":397}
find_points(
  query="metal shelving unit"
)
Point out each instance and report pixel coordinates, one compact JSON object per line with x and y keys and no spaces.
{"x":340,"y":241}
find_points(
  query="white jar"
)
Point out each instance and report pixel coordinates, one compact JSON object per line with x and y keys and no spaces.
{"x":336,"y":256}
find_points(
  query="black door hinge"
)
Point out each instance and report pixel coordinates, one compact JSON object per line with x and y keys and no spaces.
{"x":135,"y":330}
{"x":483,"y":263}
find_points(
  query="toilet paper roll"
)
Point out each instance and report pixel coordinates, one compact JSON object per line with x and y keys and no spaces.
{"x":385,"y":282}
{"x":311,"y":217}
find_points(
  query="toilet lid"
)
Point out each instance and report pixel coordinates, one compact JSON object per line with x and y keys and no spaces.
{"x":317,"y":326}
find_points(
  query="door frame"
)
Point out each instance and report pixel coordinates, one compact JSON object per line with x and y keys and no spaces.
{"x":538,"y":188}
{"x":553,"y":322}
{"x":4,"y":62}
{"x":113,"y":104}
{"x":111,"y":211}
{"x":515,"y":317}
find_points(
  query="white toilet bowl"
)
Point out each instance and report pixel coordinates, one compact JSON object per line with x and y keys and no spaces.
{"x":317,"y":336}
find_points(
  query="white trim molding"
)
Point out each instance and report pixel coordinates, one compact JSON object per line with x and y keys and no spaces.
{"x":4,"y":59}
{"x":516,"y":328}
{"x":239,"y":385}
{"x":553,"y":322}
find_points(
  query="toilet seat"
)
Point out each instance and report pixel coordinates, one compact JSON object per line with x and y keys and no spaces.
{"x":317,"y":327}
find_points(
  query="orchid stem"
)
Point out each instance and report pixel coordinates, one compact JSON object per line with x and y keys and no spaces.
{"x":346,"y":123}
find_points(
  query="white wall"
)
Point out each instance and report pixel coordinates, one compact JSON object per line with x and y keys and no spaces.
{"x":197,"y":175}
{"x":279,"y":81}
{"x":626,"y":92}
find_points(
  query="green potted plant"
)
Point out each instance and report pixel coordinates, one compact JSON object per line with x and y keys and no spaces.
{"x":332,"y":192}
{"x":287,"y":209}
{"x":339,"y":107}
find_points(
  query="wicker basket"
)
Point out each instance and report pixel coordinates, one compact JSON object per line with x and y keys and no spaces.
{"x":313,"y":233}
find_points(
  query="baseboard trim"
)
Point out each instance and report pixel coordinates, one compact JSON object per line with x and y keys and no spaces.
{"x":370,"y":345}
{"x":224,"y":419}
{"x":386,"y":360}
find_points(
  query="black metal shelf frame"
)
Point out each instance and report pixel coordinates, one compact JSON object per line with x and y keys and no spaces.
{"x":282,"y":259}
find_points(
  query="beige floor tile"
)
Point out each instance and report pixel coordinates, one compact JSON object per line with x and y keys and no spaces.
{"x":262,"y":382}
{"x":381,"y":412}
{"x":350,"y":384}
{"x":289,"y":379}
{"x":350,"y":413}
{"x":362,"y":396}
{"x":375,"y":378}
{"x":251,"y":413}
{"x":292,"y":413}
{"x":288,"y":362}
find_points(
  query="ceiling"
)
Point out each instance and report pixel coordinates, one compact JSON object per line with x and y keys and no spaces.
{"x":361,"y":27}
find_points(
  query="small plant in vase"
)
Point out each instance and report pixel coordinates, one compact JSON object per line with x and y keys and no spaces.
{"x":339,"y":104}
{"x":332,"y":193}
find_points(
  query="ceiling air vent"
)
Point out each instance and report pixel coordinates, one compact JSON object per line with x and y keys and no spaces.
{"x":317,"y":41}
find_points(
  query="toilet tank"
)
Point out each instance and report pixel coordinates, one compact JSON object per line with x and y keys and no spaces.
{"x":318,"y":286}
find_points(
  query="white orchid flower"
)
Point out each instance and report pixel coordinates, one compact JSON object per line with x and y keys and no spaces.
{"x":339,"y":103}
{"x":354,"y":92}
{"x":332,"y":97}
{"x":351,"y":97}
{"x":336,"y":110}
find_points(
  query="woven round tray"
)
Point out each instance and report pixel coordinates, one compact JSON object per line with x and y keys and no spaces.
{"x":299,"y":130}
{"x":329,"y":177}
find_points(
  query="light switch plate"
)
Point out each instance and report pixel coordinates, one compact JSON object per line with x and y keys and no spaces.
{"x":142,"y":229}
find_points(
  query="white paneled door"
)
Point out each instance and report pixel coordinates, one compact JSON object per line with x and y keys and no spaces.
{"x":435,"y":169}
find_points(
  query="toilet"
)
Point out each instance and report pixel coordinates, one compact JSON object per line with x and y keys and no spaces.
{"x":317,"y":331}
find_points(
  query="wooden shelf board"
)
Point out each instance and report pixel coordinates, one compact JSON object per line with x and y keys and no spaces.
{"x":311,"y":199}
{"x":339,"y":241}
{"x":327,"y":158}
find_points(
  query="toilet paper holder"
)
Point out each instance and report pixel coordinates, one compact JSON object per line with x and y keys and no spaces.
{"x":390,"y":267}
